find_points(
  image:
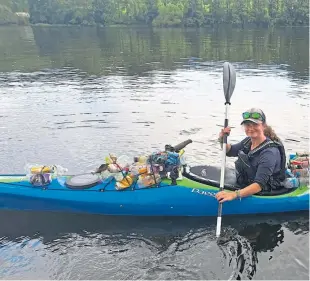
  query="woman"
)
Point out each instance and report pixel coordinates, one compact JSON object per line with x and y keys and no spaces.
{"x":261,"y":157}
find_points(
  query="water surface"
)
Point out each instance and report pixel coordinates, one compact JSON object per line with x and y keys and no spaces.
{"x":70,"y":96}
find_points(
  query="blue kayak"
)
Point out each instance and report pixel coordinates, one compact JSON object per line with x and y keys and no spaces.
{"x":191,"y":193}
{"x":187,"y":198}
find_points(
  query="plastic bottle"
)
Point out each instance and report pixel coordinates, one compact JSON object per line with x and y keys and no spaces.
{"x":301,"y":173}
{"x":60,"y":171}
{"x":305,"y":163}
{"x":142,"y":159}
{"x":296,"y":182}
{"x":134,"y":169}
{"x":123,"y":161}
{"x":292,"y":182}
{"x":118,"y":176}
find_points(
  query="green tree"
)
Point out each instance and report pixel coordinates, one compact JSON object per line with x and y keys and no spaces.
{"x":166,"y":12}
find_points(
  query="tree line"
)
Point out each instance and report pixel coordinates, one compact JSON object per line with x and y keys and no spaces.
{"x":164,"y":12}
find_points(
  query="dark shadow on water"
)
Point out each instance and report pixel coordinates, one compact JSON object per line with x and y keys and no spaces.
{"x":263,"y":230}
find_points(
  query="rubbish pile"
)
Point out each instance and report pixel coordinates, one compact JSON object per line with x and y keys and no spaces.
{"x":145,"y":171}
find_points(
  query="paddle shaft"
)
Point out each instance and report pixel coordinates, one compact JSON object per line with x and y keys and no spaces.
{"x":219,"y":212}
{"x":229,"y":82}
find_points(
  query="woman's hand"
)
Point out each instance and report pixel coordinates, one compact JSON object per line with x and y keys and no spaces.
{"x":223,"y":196}
{"x":221,"y":135}
{"x":225,"y":131}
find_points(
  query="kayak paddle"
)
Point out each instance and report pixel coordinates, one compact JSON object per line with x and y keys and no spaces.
{"x":229,"y":82}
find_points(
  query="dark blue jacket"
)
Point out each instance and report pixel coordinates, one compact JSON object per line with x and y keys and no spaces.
{"x":266,"y":164}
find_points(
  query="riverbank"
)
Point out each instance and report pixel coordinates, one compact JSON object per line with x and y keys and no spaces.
{"x":135,"y":25}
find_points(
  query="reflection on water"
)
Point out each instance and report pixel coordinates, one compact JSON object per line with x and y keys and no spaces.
{"x":139,"y":51}
{"x":70,"y":96}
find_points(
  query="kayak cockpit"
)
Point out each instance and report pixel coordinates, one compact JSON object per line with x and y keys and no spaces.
{"x":210,"y":175}
{"x":83,"y":181}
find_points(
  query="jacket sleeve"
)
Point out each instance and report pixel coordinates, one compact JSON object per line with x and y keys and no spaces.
{"x":235,"y":148}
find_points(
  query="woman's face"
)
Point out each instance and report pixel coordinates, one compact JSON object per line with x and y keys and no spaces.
{"x":253,"y":130}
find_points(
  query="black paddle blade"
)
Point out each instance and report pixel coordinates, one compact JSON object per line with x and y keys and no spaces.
{"x":229,"y":80}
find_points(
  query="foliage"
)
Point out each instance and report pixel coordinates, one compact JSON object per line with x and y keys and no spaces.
{"x":162,"y":12}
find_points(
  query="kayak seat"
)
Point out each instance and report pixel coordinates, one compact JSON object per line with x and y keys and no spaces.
{"x":210,"y":175}
{"x":82,"y":181}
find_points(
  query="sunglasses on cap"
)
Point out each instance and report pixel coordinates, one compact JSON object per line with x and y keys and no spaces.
{"x":253,"y":115}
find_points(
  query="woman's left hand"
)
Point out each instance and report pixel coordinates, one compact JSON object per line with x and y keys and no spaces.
{"x":223,"y":196}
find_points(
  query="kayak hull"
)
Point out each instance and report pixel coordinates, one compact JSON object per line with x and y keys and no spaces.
{"x":187,"y":198}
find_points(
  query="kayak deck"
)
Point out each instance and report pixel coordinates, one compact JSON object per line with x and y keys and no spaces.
{"x":189,"y":180}
{"x":21,"y":182}
{"x":209,"y":175}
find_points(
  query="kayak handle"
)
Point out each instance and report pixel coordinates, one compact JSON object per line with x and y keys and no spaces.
{"x":181,"y":145}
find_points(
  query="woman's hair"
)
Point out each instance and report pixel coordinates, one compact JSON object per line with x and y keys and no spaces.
{"x":270,"y":133}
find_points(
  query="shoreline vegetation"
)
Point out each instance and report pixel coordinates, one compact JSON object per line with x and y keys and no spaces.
{"x":156,"y":13}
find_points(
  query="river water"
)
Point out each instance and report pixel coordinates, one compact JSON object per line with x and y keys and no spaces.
{"x":71,"y":95}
